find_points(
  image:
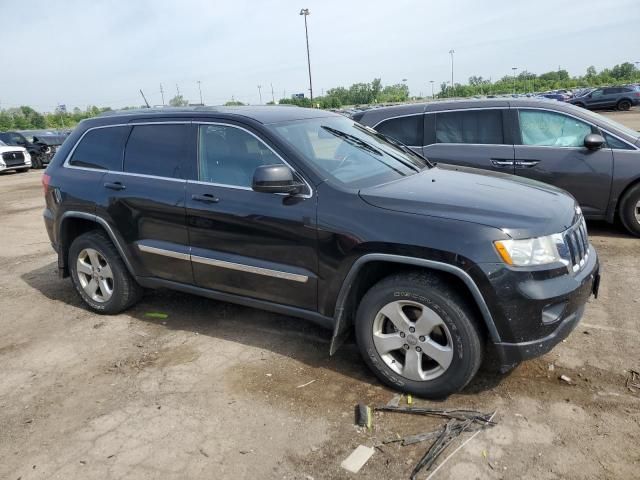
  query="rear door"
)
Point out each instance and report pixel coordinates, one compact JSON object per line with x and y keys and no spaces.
{"x":145,"y":199}
{"x":257,"y":245}
{"x":551,"y":149}
{"x":476,"y":138}
{"x":596,"y":99}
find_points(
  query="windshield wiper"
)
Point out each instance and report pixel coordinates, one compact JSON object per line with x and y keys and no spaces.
{"x":396,"y":143}
{"x":353,"y":140}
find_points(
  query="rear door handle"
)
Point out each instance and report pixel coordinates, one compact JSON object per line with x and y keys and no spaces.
{"x":499,"y":162}
{"x":206,"y":198}
{"x":526,"y":163}
{"x":114,"y":185}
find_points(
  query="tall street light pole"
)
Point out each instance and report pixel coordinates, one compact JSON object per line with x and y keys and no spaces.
{"x":305,"y":13}
{"x":451,"y":52}
{"x":260,"y":93}
{"x":514,"y":78}
{"x":200,"y":90}
{"x":432,"y":97}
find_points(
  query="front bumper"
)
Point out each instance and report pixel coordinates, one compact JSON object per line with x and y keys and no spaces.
{"x":534,"y":311}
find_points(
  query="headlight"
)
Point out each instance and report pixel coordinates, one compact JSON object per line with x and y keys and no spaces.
{"x":27,"y":158}
{"x":531,"y":251}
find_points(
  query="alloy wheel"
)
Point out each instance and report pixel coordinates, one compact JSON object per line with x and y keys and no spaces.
{"x":412,"y":340}
{"x":95,"y":275}
{"x":636,"y":211}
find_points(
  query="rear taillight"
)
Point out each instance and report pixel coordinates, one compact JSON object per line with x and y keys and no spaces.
{"x":637,"y":94}
{"x":45,"y":182}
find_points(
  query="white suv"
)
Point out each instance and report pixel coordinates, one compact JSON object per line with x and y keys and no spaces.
{"x":14,"y":158}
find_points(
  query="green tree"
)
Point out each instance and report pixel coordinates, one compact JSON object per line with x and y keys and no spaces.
{"x":233,"y":103}
{"x":178,"y":101}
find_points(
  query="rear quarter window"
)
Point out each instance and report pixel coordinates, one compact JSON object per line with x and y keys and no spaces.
{"x":407,"y":130}
{"x":101,"y":148}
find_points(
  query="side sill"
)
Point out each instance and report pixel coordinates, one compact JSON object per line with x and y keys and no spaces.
{"x":314,"y":317}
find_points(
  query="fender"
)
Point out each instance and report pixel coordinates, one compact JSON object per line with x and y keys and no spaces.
{"x":341,"y":326}
{"x":102,"y":222}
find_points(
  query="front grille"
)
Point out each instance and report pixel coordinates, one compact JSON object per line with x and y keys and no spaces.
{"x":577,"y":242}
{"x":13,"y":159}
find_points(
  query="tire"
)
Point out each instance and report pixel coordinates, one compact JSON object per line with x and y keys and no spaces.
{"x":22,"y":170}
{"x":630,"y":210}
{"x":36,"y":162}
{"x":114,"y":293}
{"x":623,"y":105}
{"x":456,"y":340}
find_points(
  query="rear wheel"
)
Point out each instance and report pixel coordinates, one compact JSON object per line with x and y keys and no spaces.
{"x":100,"y":276}
{"x":630,"y":210}
{"x":419,"y":335}
{"x":624,"y":105}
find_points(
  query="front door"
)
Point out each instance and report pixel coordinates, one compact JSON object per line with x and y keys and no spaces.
{"x":552,"y":151}
{"x":258,"y":245}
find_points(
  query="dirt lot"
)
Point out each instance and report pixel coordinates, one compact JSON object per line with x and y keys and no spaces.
{"x":212,"y":390}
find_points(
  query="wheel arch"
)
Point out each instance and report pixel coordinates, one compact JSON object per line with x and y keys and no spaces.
{"x":356,"y":283}
{"x":614,"y":212}
{"x":73,"y":224}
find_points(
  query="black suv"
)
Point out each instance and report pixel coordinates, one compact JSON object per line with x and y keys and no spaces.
{"x":310,"y":214}
{"x":592,"y":157}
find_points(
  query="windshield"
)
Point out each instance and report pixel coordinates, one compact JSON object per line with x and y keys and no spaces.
{"x":348,"y":153}
{"x":611,"y":123}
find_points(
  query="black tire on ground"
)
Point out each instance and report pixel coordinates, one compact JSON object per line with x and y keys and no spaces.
{"x":630,"y":210}
{"x":454,"y":310}
{"x":36,"y":161}
{"x":126,"y":291}
{"x":22,"y":170}
{"x":624,"y":105}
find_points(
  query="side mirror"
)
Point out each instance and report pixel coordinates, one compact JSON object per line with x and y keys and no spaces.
{"x":593,"y":141}
{"x":275,"y":179}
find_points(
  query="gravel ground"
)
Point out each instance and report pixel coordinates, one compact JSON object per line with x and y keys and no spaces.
{"x":213,"y":390}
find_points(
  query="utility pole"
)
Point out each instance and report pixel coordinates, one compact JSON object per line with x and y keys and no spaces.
{"x":432,"y":97}
{"x":305,"y":12}
{"x":200,"y":90}
{"x":260,"y":93}
{"x":273,"y":97}
{"x":514,"y":78}
{"x":177,"y":90}
{"x":162,"y":94}
{"x":451,"y":52}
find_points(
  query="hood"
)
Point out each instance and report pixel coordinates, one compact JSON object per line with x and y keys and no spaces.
{"x":520,"y":207}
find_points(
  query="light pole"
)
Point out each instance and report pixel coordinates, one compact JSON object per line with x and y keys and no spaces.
{"x":200,"y":90}
{"x":451,"y":52}
{"x":514,"y":78}
{"x":305,"y":13}
{"x":260,"y":93}
{"x":432,"y":97}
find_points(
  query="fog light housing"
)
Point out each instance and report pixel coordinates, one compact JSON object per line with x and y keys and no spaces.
{"x":553,"y":313}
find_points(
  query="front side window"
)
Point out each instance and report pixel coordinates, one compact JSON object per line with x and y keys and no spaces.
{"x":348,"y":153}
{"x":596,"y":93}
{"x":471,"y":126}
{"x":156,"y":150}
{"x":101,"y":148}
{"x":550,"y":129}
{"x":229,"y":156}
{"x":407,"y":130}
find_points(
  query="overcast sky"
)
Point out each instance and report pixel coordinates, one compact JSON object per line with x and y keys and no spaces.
{"x":101,"y":52}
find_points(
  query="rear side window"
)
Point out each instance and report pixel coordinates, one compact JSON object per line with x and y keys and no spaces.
{"x":156,"y":150}
{"x":101,"y":148}
{"x":407,"y":130}
{"x":472,"y":126}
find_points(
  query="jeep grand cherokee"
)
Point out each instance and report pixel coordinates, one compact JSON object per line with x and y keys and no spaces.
{"x":310,"y":214}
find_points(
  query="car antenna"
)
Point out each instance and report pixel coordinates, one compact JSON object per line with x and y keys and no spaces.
{"x":145,"y":98}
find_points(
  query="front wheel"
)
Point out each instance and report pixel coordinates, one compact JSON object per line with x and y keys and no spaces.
{"x":419,"y":335}
{"x":630,"y":210}
{"x":624,"y":105}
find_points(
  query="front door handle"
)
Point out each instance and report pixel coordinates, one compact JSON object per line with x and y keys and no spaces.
{"x":114,"y":185}
{"x":499,"y":162}
{"x":206,"y":198}
{"x":526,"y":163}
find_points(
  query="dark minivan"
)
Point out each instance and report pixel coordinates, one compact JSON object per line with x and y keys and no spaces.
{"x":310,"y":214}
{"x":595,"y":159}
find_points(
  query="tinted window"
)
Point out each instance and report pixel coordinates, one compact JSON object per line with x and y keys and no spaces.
{"x":611,"y":91}
{"x":552,"y":129}
{"x":596,"y":93}
{"x":407,"y":130}
{"x":230,"y":156}
{"x":101,"y":148}
{"x":156,"y":150}
{"x":473,"y":126}
{"x":613,"y":142}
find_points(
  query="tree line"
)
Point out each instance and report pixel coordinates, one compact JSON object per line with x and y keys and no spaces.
{"x":26,"y":118}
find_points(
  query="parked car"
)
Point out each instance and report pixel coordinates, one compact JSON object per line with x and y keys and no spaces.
{"x":595,"y":159}
{"x":307,"y":213}
{"x":14,"y":158}
{"x":621,"y":98}
{"x":41,"y":149}
{"x":554,"y":96}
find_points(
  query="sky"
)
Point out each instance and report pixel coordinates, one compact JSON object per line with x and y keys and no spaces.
{"x":100,"y":52}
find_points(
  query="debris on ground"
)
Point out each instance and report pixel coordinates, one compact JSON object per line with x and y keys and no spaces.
{"x":306,"y":384}
{"x":354,"y":462}
{"x":364,"y":415}
{"x":409,"y":399}
{"x":159,"y":315}
{"x":566,"y":379}
{"x":633,"y":381}
{"x":395,"y":401}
